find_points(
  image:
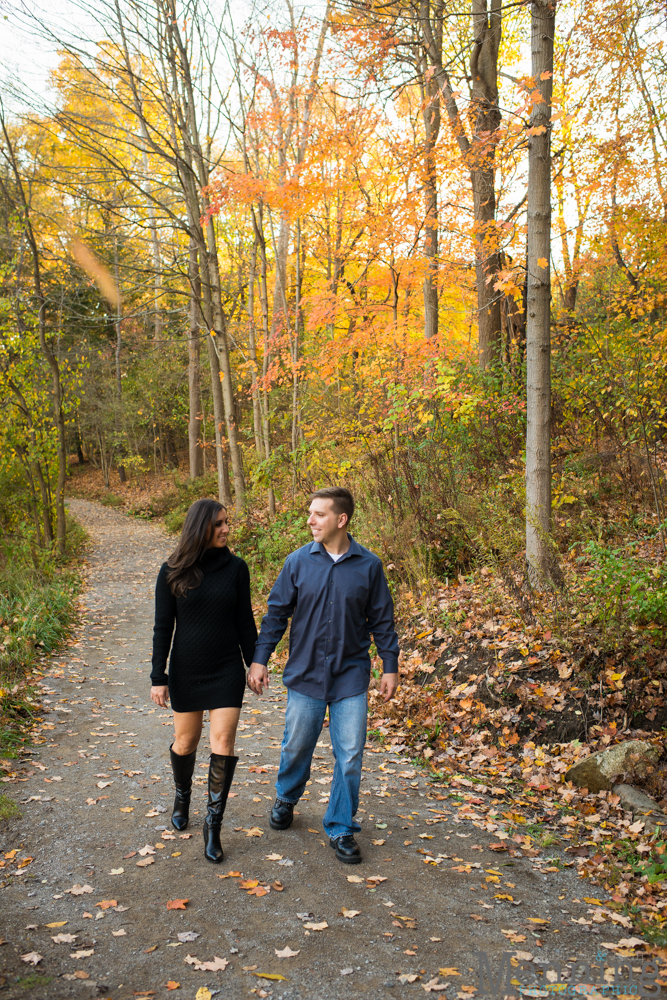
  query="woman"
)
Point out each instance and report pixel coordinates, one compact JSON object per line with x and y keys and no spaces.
{"x":205,"y":591}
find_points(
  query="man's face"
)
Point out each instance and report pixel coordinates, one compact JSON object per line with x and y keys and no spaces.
{"x":324,"y":522}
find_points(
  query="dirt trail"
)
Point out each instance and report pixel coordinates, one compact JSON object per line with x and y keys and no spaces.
{"x":100,"y":790}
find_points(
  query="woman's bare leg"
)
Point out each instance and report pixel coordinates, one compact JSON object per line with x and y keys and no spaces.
{"x":223,"y":729}
{"x":187,"y":731}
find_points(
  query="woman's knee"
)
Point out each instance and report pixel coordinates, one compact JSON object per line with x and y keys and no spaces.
{"x":184,"y":745}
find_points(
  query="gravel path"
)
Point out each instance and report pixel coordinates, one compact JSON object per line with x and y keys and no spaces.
{"x":96,"y":800}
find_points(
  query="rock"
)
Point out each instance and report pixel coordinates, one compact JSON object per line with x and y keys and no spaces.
{"x":598,"y":772}
{"x":641,"y":804}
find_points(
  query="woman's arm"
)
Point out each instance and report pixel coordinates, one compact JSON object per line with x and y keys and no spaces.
{"x":245,"y":619}
{"x":165,"y":617}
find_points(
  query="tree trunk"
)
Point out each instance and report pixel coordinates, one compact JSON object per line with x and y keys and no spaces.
{"x":119,"y":345}
{"x":431,"y":116}
{"x":538,"y":326}
{"x":487,"y":27}
{"x":224,"y":488}
{"x":194,"y":369}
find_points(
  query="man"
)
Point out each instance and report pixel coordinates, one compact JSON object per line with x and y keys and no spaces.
{"x":336,"y":594}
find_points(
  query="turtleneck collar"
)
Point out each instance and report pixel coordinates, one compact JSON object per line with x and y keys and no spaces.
{"x":213,"y":559}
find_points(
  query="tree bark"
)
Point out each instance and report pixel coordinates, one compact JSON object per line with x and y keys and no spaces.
{"x":538,"y":325}
{"x":431,"y":117}
{"x":194,"y":368}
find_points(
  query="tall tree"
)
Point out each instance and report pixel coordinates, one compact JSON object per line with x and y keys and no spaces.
{"x":538,"y":319}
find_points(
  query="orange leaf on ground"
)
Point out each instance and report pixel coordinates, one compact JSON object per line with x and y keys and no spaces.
{"x":230,"y":875}
{"x":106,"y":903}
{"x":171,"y":985}
{"x":177,"y":904}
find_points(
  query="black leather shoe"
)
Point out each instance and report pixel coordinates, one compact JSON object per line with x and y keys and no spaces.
{"x":347,"y":849}
{"x":281,"y":815}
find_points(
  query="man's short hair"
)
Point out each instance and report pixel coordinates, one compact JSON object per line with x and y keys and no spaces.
{"x":342,"y":499}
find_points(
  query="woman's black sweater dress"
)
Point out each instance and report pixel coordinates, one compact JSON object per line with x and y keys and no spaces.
{"x":214,"y":626}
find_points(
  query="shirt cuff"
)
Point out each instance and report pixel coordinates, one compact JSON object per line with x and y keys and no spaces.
{"x":262,"y":655}
{"x":390,"y":665}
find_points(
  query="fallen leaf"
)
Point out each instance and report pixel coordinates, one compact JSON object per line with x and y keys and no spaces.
{"x":591,"y":901}
{"x":230,"y":875}
{"x":203,"y":993}
{"x":376,"y":878}
{"x":171,"y":985}
{"x":260,"y":890}
{"x":177,"y":904}
{"x":274,"y":857}
{"x":378,"y":843}
{"x":128,"y":809}
{"x":354,"y":878}
{"x":538,"y":920}
{"x":449,"y":972}
{"x":187,"y":936}
{"x":316,"y":927}
{"x":119,"y":933}
{"x":64,"y":938}
{"x":85,"y":953}
{"x":249,"y":883}
{"x":57,"y":923}
{"x":349,"y":913}
{"x":148,"y":849}
{"x":215,"y":966}
{"x":78,"y":890}
{"x":269,"y":975}
{"x":433,"y":986}
{"x":148,"y":951}
{"x":116,"y":871}
{"x":408,"y":977}
{"x":132,"y":854}
{"x":106,"y":903}
{"x":145,"y":861}
{"x":104,"y":784}
{"x":278,"y":886}
{"x":347,"y":972}
{"x":286,"y":952}
{"x":80,"y":974}
{"x":500,"y":895}
{"x":254,"y":831}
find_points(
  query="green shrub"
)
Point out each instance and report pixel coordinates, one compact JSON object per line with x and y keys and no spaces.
{"x":622,"y":588}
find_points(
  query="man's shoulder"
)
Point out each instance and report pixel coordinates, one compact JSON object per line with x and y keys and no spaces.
{"x":299,"y":553}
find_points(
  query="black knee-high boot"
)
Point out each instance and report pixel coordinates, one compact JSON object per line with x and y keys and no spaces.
{"x":220,"y":776}
{"x":183,"y":767}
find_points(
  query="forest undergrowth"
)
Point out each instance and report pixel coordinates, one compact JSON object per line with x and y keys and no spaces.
{"x":38,"y":607}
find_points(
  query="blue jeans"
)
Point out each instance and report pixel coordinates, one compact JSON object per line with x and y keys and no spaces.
{"x":347,"y":725}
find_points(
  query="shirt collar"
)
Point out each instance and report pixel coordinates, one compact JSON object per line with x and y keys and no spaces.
{"x":354,"y":549}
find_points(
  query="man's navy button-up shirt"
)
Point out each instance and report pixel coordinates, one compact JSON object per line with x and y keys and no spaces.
{"x":334,"y":606}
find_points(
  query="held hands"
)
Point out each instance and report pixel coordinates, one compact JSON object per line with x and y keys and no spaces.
{"x":388,"y":686}
{"x":160,"y":695}
{"x":258,"y":678}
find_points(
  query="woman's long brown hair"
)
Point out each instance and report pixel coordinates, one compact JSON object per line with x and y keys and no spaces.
{"x":183,"y":573}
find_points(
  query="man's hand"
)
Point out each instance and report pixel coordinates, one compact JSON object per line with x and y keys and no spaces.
{"x":160,"y":695}
{"x":258,"y":678}
{"x":388,"y":686}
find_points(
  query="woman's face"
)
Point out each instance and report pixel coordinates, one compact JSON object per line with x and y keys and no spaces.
{"x":219,"y":531}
